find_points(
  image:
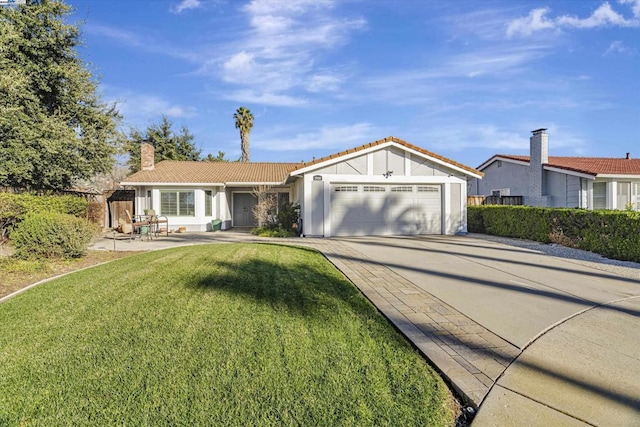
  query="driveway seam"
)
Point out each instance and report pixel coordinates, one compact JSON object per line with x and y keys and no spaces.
{"x":546,"y":405}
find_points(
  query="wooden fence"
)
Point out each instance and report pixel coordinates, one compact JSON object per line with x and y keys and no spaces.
{"x":495,"y":200}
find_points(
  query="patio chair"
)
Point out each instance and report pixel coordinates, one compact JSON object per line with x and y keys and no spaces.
{"x":139,"y":226}
{"x":156,"y":221}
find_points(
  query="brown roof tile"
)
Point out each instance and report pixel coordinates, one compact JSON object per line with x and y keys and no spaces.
{"x":170,"y":171}
{"x":184,"y":172}
{"x":382,"y":141}
{"x":588,"y":165}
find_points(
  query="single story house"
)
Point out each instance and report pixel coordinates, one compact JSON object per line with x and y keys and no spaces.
{"x":570,"y":182}
{"x":387,"y":187}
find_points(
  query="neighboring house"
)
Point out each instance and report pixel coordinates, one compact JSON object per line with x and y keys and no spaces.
{"x":572,"y":182}
{"x":387,"y":187}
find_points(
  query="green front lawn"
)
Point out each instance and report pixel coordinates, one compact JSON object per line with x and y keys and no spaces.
{"x":241,"y":334}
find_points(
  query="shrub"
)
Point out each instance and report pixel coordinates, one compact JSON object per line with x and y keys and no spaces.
{"x":14,"y":207}
{"x":52,"y":235}
{"x":288,"y":216}
{"x":272,"y":232}
{"x":613,"y":234}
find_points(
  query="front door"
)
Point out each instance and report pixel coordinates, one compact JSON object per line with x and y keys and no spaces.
{"x":243,"y":204}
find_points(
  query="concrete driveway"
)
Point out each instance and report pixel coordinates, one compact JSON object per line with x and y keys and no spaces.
{"x":529,"y":338}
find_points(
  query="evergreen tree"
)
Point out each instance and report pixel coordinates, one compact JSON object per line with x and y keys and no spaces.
{"x":168,"y":145}
{"x":219,"y":158}
{"x":54,"y":128}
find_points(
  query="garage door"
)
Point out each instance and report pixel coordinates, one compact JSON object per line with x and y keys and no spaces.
{"x":370,"y":210}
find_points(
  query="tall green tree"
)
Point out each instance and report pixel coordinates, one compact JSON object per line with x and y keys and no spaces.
{"x":168,"y":144}
{"x":54,"y":128}
{"x":219,"y":158}
{"x":244,"y":122}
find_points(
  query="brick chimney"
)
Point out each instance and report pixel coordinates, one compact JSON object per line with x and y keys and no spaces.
{"x":538,"y":156}
{"x":147,"y":156}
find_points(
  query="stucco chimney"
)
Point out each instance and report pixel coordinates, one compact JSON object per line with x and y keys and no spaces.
{"x":628,"y":156}
{"x":147,"y":156}
{"x":538,"y":156}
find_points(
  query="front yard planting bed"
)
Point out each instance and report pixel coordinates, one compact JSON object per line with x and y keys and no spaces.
{"x":233,"y":335}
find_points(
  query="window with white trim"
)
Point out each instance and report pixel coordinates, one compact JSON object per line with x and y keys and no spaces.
{"x":374,"y":189}
{"x":177,"y":203}
{"x":208,"y":203}
{"x":599,"y":195}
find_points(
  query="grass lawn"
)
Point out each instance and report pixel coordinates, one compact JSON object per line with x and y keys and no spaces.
{"x":233,"y":335}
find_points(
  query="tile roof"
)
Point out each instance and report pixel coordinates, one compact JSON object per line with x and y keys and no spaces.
{"x":185,"y":172}
{"x":171,"y":171}
{"x":382,"y":141}
{"x":588,"y":165}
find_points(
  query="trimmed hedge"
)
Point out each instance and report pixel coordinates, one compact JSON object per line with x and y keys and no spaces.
{"x":52,"y":235}
{"x":614,"y":234}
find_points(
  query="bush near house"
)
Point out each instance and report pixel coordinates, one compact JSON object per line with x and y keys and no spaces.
{"x":52,"y":235}
{"x":613,"y":234}
{"x":14,"y":207}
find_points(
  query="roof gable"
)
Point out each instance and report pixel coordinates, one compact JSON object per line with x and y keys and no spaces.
{"x":305,"y":167}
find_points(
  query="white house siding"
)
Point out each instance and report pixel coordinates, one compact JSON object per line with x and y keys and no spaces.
{"x":556,"y":189}
{"x":509,"y":175}
{"x":457,"y":213}
{"x":198,"y":222}
{"x":369,"y":170}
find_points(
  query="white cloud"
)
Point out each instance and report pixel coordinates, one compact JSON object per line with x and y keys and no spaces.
{"x":328,"y":137}
{"x":143,"y":42}
{"x":456,"y":137}
{"x":140,"y":109}
{"x":535,"y":21}
{"x":603,"y":16}
{"x":249,"y":96}
{"x":635,"y":6}
{"x":186,"y":5}
{"x":617,"y":47}
{"x":283,"y":48}
{"x":324,"y":83}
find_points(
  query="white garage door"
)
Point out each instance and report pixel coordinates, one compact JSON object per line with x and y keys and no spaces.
{"x":370,"y":210}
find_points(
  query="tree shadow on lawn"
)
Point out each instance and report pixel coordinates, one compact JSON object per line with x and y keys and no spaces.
{"x":309,"y":289}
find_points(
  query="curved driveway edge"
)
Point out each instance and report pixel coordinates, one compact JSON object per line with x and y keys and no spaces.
{"x":578,"y":327}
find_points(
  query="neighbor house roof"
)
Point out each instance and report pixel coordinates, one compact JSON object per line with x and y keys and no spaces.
{"x":587,"y":165}
{"x":186,"y":172}
{"x":383,"y":141}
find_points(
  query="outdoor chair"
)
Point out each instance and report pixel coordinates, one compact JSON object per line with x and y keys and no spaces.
{"x":139,"y":226}
{"x":157,"y":222}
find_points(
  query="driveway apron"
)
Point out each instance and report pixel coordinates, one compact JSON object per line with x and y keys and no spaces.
{"x":529,"y":338}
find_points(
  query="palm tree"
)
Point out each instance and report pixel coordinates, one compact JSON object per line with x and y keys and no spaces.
{"x":244,"y":122}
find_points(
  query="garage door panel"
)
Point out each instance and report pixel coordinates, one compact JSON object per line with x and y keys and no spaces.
{"x":389,"y":210}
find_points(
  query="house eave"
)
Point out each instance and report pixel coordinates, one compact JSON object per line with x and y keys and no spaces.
{"x":570,"y":172}
{"x":253,"y":184}
{"x":378,"y":147}
{"x":617,"y":176}
{"x":504,"y":159}
{"x":172,"y":184}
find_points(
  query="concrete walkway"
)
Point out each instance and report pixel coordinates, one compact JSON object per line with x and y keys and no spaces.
{"x":527,"y":338}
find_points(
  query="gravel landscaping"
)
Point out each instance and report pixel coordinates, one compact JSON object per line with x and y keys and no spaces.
{"x":578,"y":256}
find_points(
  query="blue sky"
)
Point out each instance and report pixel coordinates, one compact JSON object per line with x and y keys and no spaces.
{"x":465,"y":79}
